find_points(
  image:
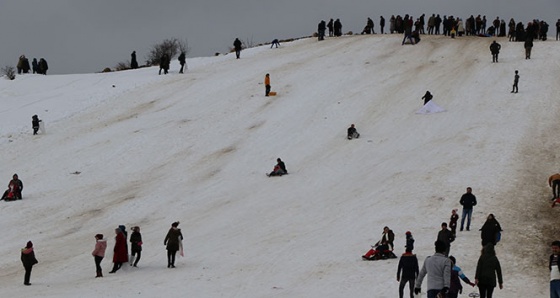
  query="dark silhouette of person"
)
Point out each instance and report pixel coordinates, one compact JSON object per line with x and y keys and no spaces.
{"x":275,"y":42}
{"x":164,"y":64}
{"x":495,"y":50}
{"x":35,"y":65}
{"x":237,"y":45}
{"x":427,"y":97}
{"x":182,"y":60}
{"x":515,"y":82}
{"x":337,"y":28}
{"x":43,"y":66}
{"x":133,"y":62}
{"x":330,"y":25}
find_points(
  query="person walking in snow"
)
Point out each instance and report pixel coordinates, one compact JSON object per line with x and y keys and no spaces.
{"x":409,"y":241}
{"x":408,"y":265}
{"x":554,"y":183}
{"x":445,"y":236}
{"x":237,"y":45}
{"x":427,"y":97}
{"x":495,"y":50}
{"x":554,"y":268}
{"x":321,"y":30}
{"x":98,"y":253}
{"x":28,"y":260}
{"x":352,"y":132}
{"x":172,"y":242}
{"x":468,"y":201}
{"x":120,"y":253}
{"x":487,"y":268}
{"x":453,"y":222}
{"x":489,"y":233}
{"x":438,"y":268}
{"x":35,"y":124}
{"x":135,"y":246}
{"x":182,"y":60}
{"x":515,"y":82}
{"x":457,"y":274}
{"x":266,"y":84}
{"x":164,"y":63}
{"x":528,"y":47}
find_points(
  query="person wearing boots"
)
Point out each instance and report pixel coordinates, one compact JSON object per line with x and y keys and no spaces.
{"x":98,"y":253}
{"x":28,"y":259}
{"x":172,"y":242}
{"x":136,"y":246}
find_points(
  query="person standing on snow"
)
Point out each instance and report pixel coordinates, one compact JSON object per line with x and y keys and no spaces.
{"x":98,"y":253}
{"x":133,"y":62}
{"x":515,"y":82}
{"x":528,"y":47}
{"x":468,"y":201}
{"x":408,"y":264}
{"x":266,"y":84}
{"x":490,"y":230}
{"x":120,"y":252}
{"x":135,"y":246}
{"x":438,"y":268}
{"x":453,"y":222}
{"x":337,"y":28}
{"x":35,"y":124}
{"x":172,"y":242}
{"x":28,"y":260}
{"x":182,"y":60}
{"x":445,"y":236}
{"x":495,"y":50}
{"x":330,"y":25}
{"x":237,"y":45}
{"x":427,"y":97}
{"x":487,"y":268}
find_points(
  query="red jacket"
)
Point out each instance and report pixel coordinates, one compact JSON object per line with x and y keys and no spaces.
{"x":120,"y":251}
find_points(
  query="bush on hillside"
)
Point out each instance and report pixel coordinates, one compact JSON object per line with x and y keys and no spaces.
{"x":171,"y":47}
{"x":122,"y":66}
{"x":9,"y":72}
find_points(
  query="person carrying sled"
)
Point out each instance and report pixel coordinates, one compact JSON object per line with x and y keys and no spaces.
{"x":35,"y":124}
{"x":427,"y":97}
{"x":352,"y":132}
{"x":279,"y":169}
{"x":15,"y":187}
{"x":383,"y":248}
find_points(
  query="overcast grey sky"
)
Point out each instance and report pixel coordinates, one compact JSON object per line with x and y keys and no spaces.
{"x":84,"y":36}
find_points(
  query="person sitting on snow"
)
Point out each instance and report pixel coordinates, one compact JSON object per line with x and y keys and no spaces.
{"x":352,"y":132}
{"x":279,"y":169}
{"x":15,"y":186}
{"x":383,"y":248}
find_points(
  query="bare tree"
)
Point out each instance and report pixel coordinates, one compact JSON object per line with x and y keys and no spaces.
{"x":184,"y":46}
{"x":9,"y":72}
{"x":171,"y":47}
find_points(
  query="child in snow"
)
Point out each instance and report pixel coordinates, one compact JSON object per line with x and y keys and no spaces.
{"x":453,"y":222}
{"x":456,"y":275}
{"x":35,"y":123}
{"x":98,"y":253}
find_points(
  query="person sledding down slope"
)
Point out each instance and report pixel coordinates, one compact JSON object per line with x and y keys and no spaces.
{"x":383,"y":249}
{"x":279,"y":169}
{"x":14,"y":189}
{"x":352,"y":132}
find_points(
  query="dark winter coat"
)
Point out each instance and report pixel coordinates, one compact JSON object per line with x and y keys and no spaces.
{"x":387,"y":239}
{"x":35,"y":65}
{"x":120,"y":251}
{"x":489,"y":231}
{"x":164,"y":62}
{"x":43,"y":66}
{"x":182,"y":58}
{"x":28,"y":257}
{"x":495,"y":48}
{"x":172,"y":239}
{"x":453,"y":221}
{"x":237,"y":44}
{"x":17,"y":186}
{"x":528,"y":43}
{"x":408,"y":264}
{"x":409,"y":243}
{"x":446,"y":236}
{"x":488,"y":267}
{"x":35,"y":121}
{"x":468,"y":201}
{"x":351,"y":131}
{"x":282,"y":166}
{"x":135,"y":242}
{"x":133,"y":62}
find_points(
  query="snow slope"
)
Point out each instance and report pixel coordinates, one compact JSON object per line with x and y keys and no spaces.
{"x":155,"y":149}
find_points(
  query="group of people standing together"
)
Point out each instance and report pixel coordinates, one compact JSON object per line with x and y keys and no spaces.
{"x":173,"y":242}
{"x":39,"y":67}
{"x":443,"y":274}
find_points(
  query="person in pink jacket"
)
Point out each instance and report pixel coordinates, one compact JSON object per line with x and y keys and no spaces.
{"x":99,"y":253}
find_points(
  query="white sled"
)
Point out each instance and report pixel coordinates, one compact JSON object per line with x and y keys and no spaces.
{"x":430,"y":108}
{"x":42,"y":128}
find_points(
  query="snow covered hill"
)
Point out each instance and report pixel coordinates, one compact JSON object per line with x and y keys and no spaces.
{"x":151,"y":150}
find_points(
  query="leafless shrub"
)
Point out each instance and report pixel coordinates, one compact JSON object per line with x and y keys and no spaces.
{"x":9,"y":72}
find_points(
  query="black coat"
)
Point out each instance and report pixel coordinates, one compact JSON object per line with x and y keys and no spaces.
{"x":409,"y":266}
{"x":182,"y":58}
{"x":468,"y":201}
{"x":495,"y":48}
{"x":172,"y":239}
{"x":489,"y":231}
{"x":237,"y":44}
{"x":282,"y":166}
{"x":135,"y":241}
{"x":28,"y":257}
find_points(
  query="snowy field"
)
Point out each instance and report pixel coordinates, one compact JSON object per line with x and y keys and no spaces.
{"x":151,"y":150}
